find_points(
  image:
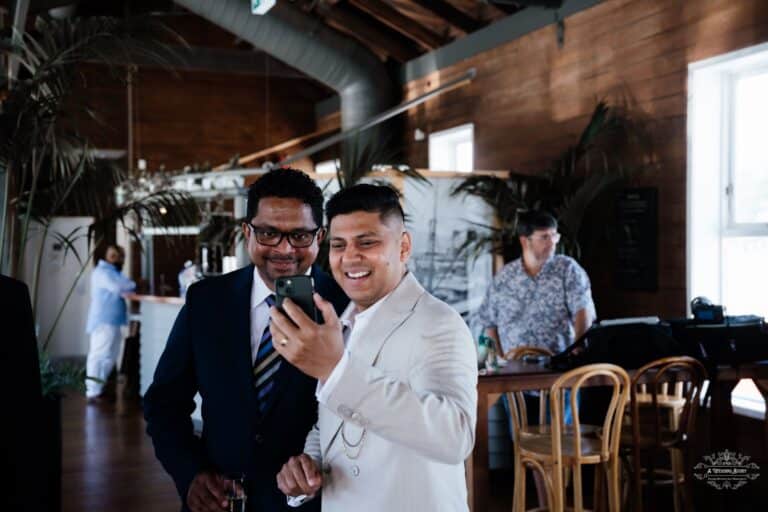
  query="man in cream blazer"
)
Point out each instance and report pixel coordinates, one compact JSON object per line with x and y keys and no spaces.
{"x":398,"y":402}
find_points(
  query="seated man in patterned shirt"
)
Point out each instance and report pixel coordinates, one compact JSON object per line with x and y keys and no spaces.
{"x":540,"y":299}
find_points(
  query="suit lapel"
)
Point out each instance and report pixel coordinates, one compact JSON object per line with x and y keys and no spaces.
{"x":390,"y":316}
{"x":394,"y":311}
{"x":241,"y":330}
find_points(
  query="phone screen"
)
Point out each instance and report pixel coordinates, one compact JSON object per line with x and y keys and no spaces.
{"x":299,"y":289}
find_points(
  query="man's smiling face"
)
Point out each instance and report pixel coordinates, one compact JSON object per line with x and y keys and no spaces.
{"x":368,"y":255}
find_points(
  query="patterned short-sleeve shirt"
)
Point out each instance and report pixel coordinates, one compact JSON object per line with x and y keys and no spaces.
{"x":537,"y":311}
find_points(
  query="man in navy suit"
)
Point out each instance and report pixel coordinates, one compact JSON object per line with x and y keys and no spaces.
{"x":257,"y":408}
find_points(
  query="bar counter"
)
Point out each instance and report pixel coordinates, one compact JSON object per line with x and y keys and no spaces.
{"x":156,"y":315}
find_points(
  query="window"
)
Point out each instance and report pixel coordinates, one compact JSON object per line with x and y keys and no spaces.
{"x":728,"y":189}
{"x":452,"y":149}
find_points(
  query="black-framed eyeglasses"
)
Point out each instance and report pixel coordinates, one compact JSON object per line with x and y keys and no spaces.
{"x":298,"y":238}
{"x":546,"y":237}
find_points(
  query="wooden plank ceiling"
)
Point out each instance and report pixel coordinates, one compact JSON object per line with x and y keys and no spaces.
{"x":394,"y":30}
{"x":401,"y":30}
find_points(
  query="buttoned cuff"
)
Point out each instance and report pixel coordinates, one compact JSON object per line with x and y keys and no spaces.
{"x":324,"y":390}
{"x":297,"y":501}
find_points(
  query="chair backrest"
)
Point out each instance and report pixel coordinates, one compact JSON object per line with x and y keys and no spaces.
{"x":517,"y":353}
{"x":686,"y":376}
{"x":517,"y":408}
{"x":609,"y":375}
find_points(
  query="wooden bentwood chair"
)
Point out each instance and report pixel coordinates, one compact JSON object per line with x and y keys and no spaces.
{"x":568,"y":447}
{"x":664,"y":400}
{"x":522,"y":425}
{"x":517,"y":354}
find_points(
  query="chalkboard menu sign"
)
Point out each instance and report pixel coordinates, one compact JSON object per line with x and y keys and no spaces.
{"x":637,"y":239}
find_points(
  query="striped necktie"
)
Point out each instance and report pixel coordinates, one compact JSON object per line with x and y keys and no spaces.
{"x":265,"y":367}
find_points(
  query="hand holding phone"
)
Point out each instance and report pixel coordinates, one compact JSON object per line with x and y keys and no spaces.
{"x":314,"y":348}
{"x":300,"y":290}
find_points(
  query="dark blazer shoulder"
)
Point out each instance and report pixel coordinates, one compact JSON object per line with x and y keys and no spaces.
{"x":328,"y":289}
{"x":13,"y":290}
{"x":224,"y":284}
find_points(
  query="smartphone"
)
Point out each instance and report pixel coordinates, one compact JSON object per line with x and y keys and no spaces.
{"x":299,"y":289}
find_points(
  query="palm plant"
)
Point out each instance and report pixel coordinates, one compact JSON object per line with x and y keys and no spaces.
{"x":614,"y":145}
{"x":363,"y":155}
{"x":50,"y":167}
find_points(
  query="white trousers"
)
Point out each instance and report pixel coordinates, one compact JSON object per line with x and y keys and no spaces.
{"x":102,"y":354}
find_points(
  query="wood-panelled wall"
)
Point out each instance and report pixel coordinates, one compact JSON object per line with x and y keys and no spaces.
{"x":192,"y":117}
{"x":531,"y":99}
{"x":189,"y":117}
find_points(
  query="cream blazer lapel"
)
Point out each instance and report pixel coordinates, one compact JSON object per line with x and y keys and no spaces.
{"x":392,"y":314}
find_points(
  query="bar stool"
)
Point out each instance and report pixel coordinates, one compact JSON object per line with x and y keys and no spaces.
{"x":664,"y":400}
{"x":568,"y":447}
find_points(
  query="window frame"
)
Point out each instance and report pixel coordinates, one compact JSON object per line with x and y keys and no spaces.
{"x":710,"y":138}
{"x":450,"y":136}
{"x":731,"y":228}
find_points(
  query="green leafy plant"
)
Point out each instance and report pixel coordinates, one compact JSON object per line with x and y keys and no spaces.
{"x":615,"y":144}
{"x":58,"y":378}
{"x":50,"y":166}
{"x":364,"y":156}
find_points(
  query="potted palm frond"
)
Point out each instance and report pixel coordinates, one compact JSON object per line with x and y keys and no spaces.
{"x":615,"y":144}
{"x":50,"y":171}
{"x":50,"y":167}
{"x":363,"y":156}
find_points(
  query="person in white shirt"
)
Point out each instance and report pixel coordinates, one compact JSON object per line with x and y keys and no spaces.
{"x":106,"y":316}
{"x":398,"y":403}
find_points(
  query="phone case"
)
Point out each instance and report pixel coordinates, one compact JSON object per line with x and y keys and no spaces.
{"x":300,"y":290}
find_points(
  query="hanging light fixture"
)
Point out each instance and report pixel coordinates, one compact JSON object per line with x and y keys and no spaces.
{"x":261,"y":7}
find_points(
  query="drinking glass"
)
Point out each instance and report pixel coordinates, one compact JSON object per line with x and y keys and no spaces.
{"x":235,"y":491}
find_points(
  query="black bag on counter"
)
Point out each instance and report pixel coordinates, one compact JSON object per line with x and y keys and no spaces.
{"x":738,"y":339}
{"x":629,"y":345}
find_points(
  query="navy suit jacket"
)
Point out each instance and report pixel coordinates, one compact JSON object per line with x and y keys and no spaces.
{"x":209,"y":351}
{"x":21,"y":428}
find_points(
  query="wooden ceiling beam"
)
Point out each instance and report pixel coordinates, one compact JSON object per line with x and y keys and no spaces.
{"x":401,"y":23}
{"x":248,"y":159}
{"x":451,"y":14}
{"x":373,"y":35}
{"x":507,"y":8}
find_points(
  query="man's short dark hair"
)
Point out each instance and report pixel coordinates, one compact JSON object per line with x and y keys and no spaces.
{"x":530,"y":221}
{"x":286,"y":183}
{"x":381,"y":199}
{"x":118,"y":248}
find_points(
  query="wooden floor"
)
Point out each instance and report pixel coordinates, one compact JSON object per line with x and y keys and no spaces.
{"x":108,"y":463}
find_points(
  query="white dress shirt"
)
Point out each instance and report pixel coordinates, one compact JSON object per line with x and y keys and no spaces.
{"x":260,"y":310}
